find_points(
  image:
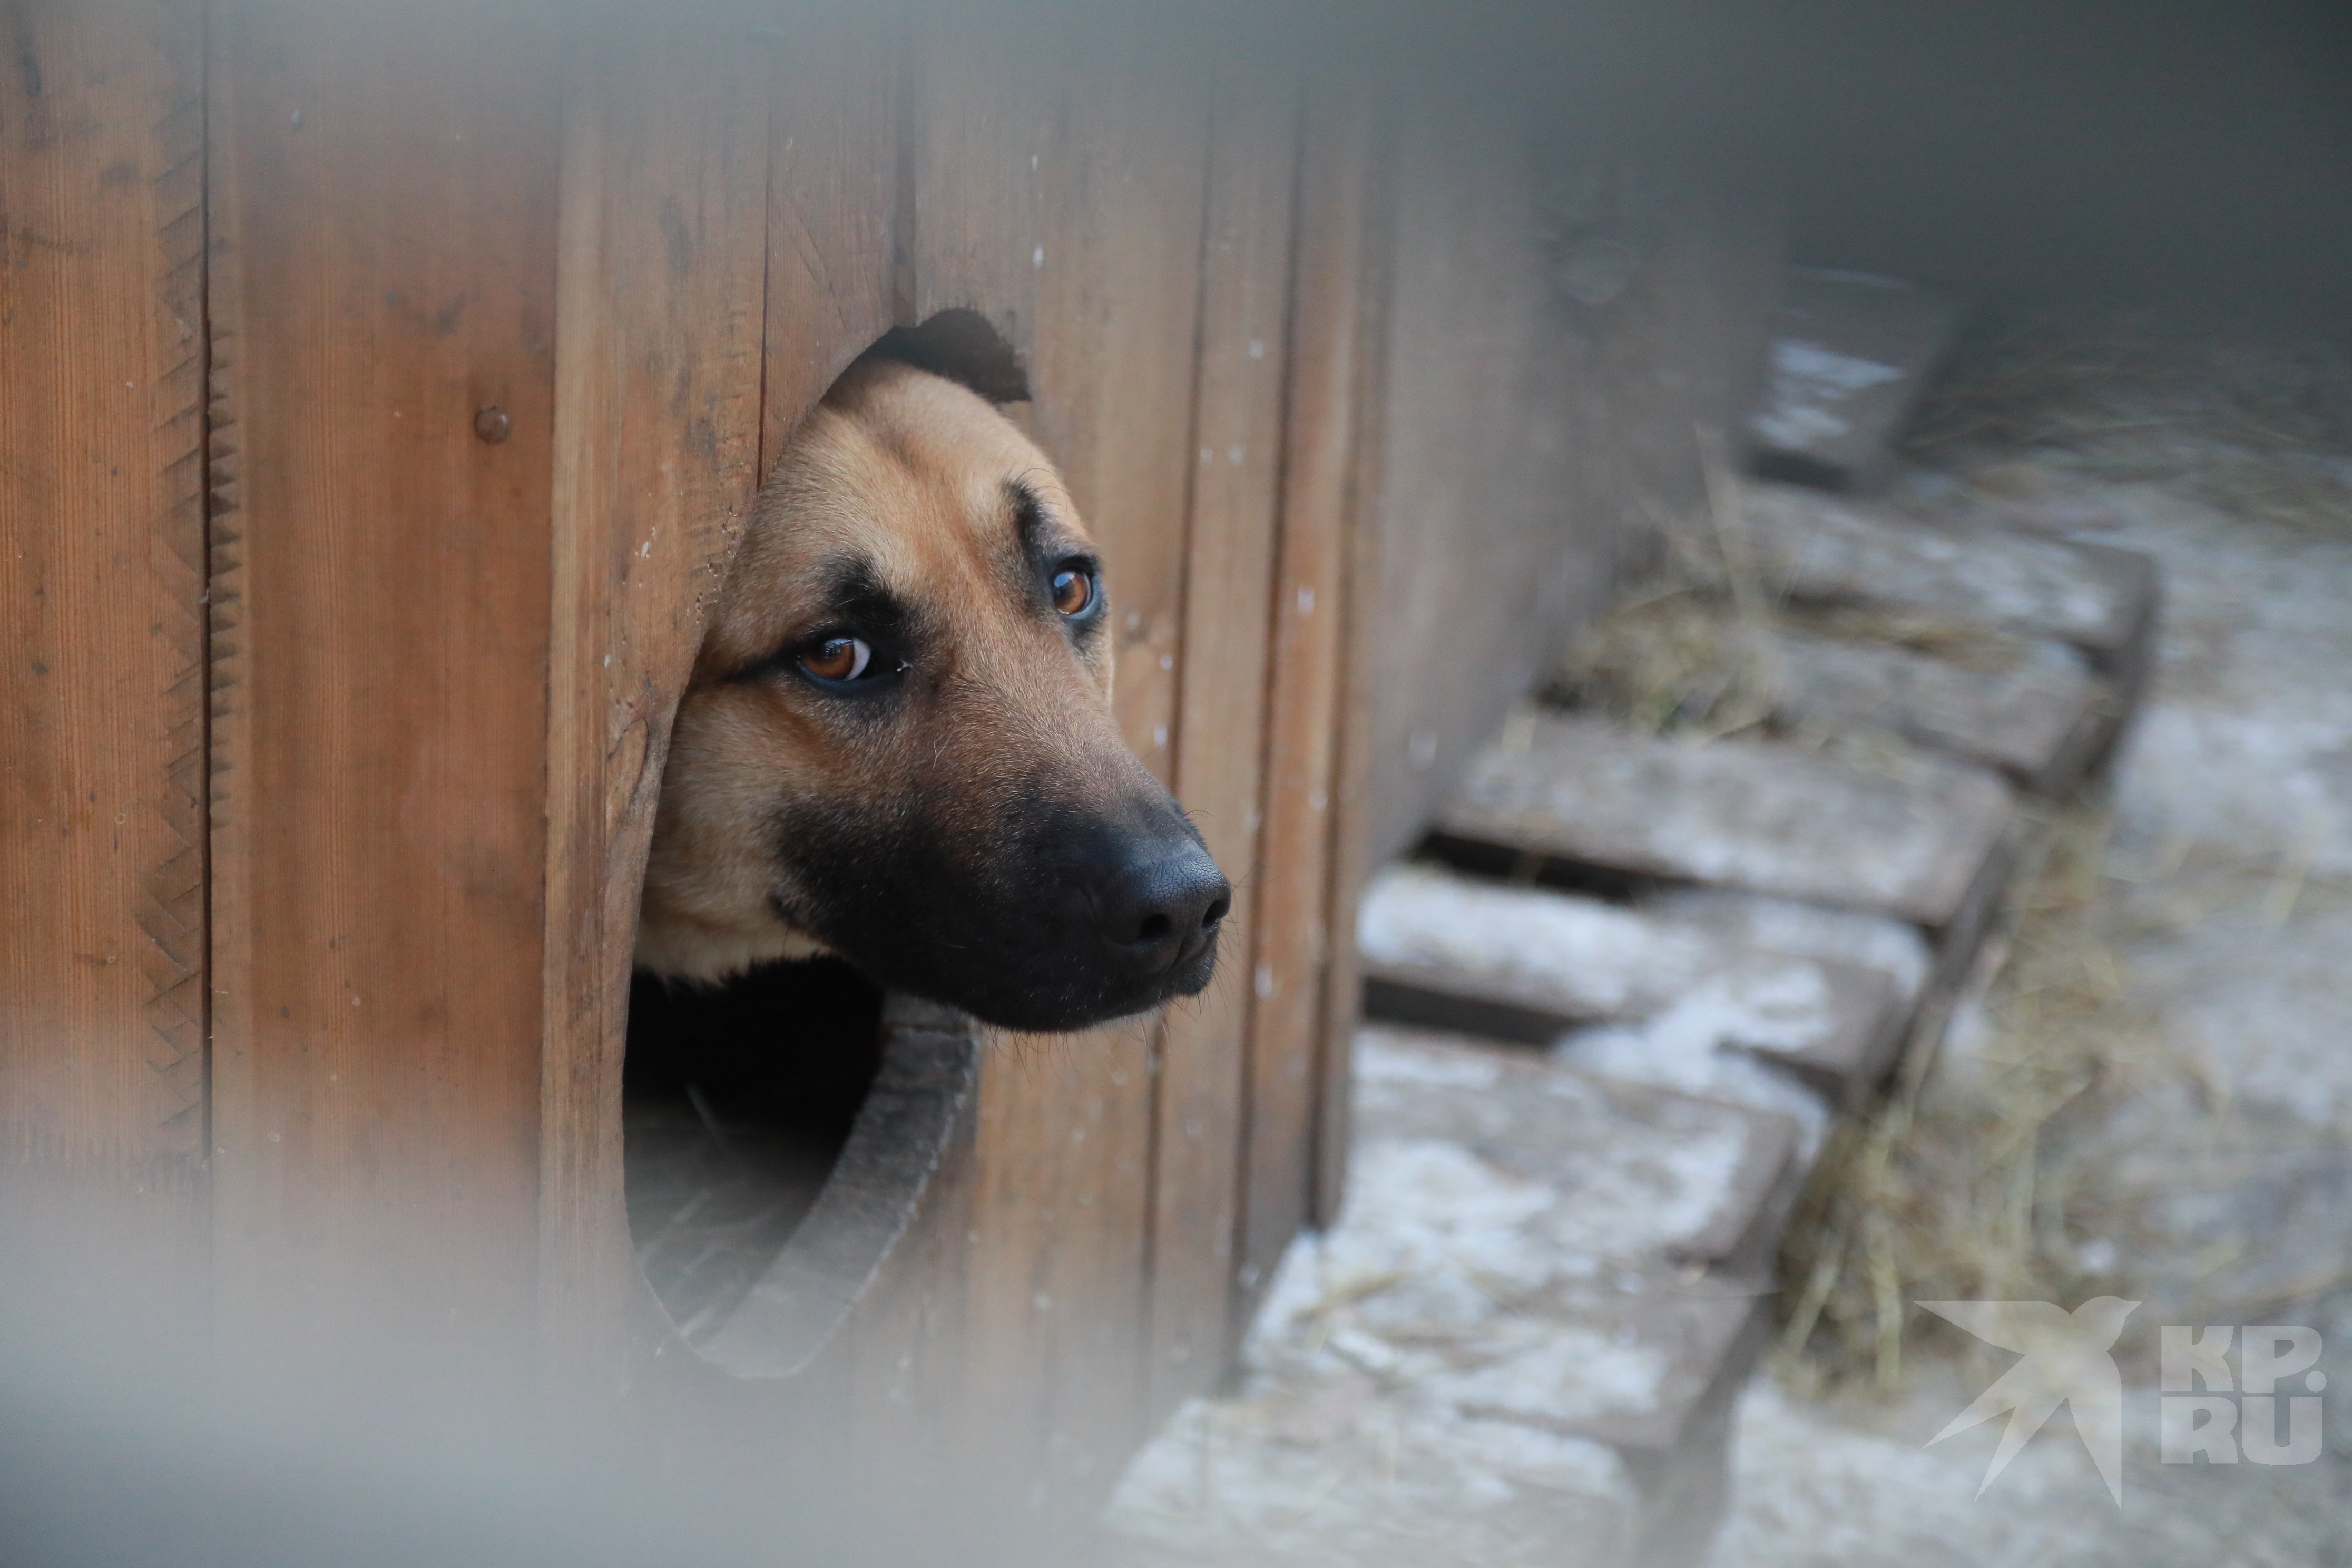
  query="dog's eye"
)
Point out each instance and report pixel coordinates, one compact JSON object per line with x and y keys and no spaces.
{"x":1074,"y":590}
{"x":838,"y":659}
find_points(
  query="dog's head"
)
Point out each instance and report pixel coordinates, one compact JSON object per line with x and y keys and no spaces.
{"x":897,"y":743}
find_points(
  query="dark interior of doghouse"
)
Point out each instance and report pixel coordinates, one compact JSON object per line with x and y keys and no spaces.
{"x":738,"y":1098}
{"x":736,"y":1101}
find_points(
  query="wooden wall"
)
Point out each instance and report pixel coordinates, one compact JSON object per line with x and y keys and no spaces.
{"x":1563,"y":332}
{"x":478,"y":326}
{"x":103,"y":1009}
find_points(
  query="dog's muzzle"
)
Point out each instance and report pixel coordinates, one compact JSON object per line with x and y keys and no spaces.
{"x":1159,"y":904}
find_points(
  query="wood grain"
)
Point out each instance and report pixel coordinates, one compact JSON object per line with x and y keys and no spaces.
{"x":1367,"y":160}
{"x":661,"y":325}
{"x":1309,"y":681}
{"x":984,"y":112}
{"x":101,"y":571}
{"x":832,"y":200}
{"x":1118,"y":297}
{"x":382,"y":203}
{"x":102,"y":837}
{"x":1227,"y":590}
{"x":269,"y":269}
{"x":1064,"y":204}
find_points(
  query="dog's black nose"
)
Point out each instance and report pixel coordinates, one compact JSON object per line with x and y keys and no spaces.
{"x":1161,"y":907}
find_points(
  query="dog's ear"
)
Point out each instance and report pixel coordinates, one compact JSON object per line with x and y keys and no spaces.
{"x":963,"y":347}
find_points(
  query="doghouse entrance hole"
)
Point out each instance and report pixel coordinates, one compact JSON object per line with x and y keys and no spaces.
{"x":736,"y":1101}
{"x":962,"y":346}
{"x":765,"y":1173}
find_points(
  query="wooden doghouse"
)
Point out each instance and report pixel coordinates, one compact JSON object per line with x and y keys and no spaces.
{"x":381,"y":390}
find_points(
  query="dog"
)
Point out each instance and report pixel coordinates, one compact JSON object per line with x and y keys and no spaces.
{"x":897,"y":744}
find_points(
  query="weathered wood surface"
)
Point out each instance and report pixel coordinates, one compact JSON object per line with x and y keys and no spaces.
{"x":834,"y":106}
{"x":1228,"y":591}
{"x":1222,"y":1482}
{"x":508,"y":315}
{"x":665,"y":186}
{"x":2036,"y":720}
{"x":1891,"y":948}
{"x":1852,"y":355}
{"x":1534,"y":429}
{"x":1531,"y":1260}
{"x":1821,"y":549}
{"x":1962,"y":575}
{"x":1910,"y":839}
{"x":1294,"y":1067}
{"x":1643,"y":1173}
{"x":1066,"y":207}
{"x":982,"y":112}
{"x":379,"y":653}
{"x":1372,"y":226}
{"x":103,"y":1004}
{"x":1453,"y":952}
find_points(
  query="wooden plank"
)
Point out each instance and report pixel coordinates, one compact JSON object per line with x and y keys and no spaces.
{"x":1678,"y":1199}
{"x":908,"y":1411}
{"x":1854,"y":354}
{"x":383,"y":199}
{"x":2035,"y":720}
{"x":1526,"y":963}
{"x":1648,"y":1175}
{"x":1221,"y":723}
{"x":660,"y":324}
{"x":887,"y":1397}
{"x":981,"y":120}
{"x":103,"y":838}
{"x":1819,"y":549}
{"x":1307,"y":680}
{"x":1353,"y":738}
{"x":1113,"y":369}
{"x":1057,"y":181}
{"x":1909,"y":837}
{"x":833,"y":195}
{"x":983,"y":115}
{"x":1630,"y":1322}
{"x":1118,"y":296}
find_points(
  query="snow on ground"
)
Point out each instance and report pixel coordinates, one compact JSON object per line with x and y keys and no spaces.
{"x":1831,"y":1485}
{"x":2229,"y":868}
{"x":2248,"y":745}
{"x":2231,"y":857}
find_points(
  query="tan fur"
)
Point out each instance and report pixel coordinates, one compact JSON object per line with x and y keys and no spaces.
{"x":908,"y":471}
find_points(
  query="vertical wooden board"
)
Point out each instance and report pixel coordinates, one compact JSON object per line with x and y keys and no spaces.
{"x":1013,"y":160}
{"x":1294,"y":937}
{"x":906,"y":1340}
{"x":983,"y":113}
{"x":1220,"y":730}
{"x":1114,"y":371}
{"x":382,"y":195}
{"x":1058,"y":186}
{"x":1053,"y":1288}
{"x":661,"y":315}
{"x":102,"y":532}
{"x":1354,"y":755}
{"x":1118,"y":302}
{"x":833,"y":194}
{"x":101,"y":650}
